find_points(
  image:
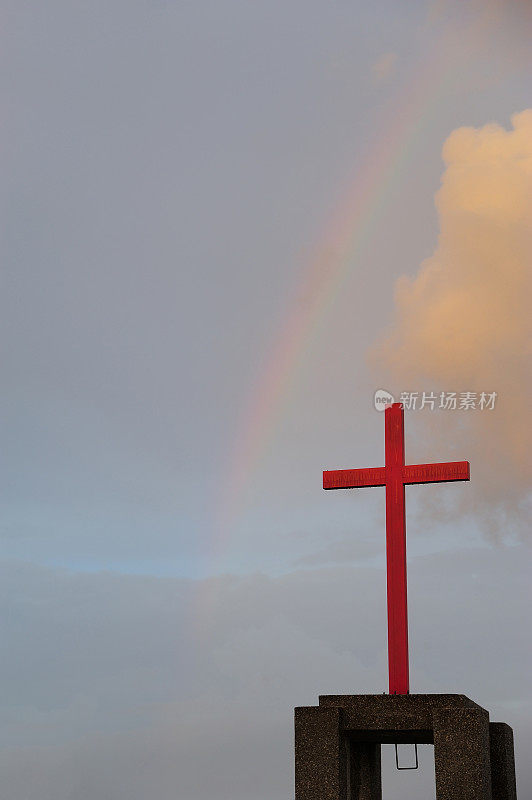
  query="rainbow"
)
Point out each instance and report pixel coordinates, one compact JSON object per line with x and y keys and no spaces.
{"x":403,"y":121}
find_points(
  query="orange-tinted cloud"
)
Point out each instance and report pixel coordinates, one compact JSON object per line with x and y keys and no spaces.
{"x":464,"y":321}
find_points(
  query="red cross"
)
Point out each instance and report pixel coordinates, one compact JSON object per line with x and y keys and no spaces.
{"x":395,"y":476}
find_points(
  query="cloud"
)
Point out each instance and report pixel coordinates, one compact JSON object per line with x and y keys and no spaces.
{"x":342,"y":552}
{"x":384,"y":67}
{"x":463,"y":323}
{"x":111,"y":690}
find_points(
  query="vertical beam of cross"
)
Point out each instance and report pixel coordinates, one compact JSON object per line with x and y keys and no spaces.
{"x":394,"y":451}
{"x":395,"y":475}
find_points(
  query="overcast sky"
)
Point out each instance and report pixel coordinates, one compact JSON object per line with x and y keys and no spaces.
{"x":209,"y":210}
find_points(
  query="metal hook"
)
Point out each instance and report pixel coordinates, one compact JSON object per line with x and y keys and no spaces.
{"x":397,"y":759}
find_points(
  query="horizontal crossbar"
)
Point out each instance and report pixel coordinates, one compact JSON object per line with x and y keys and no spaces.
{"x":411,"y":473}
{"x":436,"y":473}
{"x":353,"y":478}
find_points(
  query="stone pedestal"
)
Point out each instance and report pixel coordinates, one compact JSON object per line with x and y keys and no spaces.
{"x":337,"y":746}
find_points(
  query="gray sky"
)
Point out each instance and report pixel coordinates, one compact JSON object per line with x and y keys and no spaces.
{"x":174,"y":579}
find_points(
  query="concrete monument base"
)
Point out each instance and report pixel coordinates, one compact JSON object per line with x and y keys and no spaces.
{"x":338,"y":746}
